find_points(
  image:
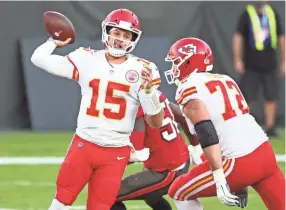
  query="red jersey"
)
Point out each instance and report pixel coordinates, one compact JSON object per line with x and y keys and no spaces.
{"x":167,"y":146}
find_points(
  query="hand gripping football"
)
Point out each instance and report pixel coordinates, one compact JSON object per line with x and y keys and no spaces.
{"x":59,"y":26}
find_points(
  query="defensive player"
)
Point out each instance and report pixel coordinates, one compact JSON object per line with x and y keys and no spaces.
{"x":237,"y":149}
{"x":113,"y":85}
{"x":169,"y":158}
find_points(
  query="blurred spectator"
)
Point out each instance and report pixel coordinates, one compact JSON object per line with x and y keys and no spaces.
{"x":255,"y":42}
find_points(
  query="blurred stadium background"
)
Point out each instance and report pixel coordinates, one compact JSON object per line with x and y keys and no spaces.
{"x":38,"y":111}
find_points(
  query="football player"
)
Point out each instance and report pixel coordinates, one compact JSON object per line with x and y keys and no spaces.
{"x":238,"y":151}
{"x":113,"y":85}
{"x":168,"y":153}
{"x":169,"y":158}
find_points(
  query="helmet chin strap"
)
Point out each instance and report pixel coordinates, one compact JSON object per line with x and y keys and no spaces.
{"x":116,"y":52}
{"x":177,"y":82}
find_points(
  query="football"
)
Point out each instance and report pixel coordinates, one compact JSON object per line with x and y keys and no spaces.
{"x":59,"y":26}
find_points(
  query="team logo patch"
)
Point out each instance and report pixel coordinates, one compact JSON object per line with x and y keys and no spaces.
{"x":188,"y":49}
{"x":132,"y":76}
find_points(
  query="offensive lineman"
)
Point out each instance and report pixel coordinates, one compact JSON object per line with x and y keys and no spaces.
{"x":238,"y":151}
{"x":169,"y":159}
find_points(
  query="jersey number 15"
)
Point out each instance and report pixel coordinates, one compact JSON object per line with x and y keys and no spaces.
{"x":94,"y":111}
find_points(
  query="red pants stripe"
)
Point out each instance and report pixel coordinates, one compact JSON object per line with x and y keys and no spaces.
{"x":258,"y":169}
{"x":197,"y":184}
{"x":170,"y":177}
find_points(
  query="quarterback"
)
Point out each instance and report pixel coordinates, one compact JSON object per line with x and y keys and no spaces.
{"x":113,"y":84}
{"x":238,"y":151}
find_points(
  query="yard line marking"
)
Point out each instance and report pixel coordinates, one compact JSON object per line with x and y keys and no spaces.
{"x":59,"y":160}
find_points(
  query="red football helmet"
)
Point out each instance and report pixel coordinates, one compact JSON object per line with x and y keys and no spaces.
{"x":188,"y":55}
{"x":122,"y":19}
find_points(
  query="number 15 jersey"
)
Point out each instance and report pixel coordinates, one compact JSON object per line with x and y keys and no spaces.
{"x":111,"y":95}
{"x":238,"y":132}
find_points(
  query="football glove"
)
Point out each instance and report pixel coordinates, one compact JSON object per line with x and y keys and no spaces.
{"x":195,"y":154}
{"x":139,"y":155}
{"x":223,"y":190}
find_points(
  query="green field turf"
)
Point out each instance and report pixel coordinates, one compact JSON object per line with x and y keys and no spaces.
{"x":30,"y":187}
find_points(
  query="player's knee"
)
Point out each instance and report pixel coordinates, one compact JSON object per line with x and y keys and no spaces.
{"x":57,"y":205}
{"x":65,"y":196}
{"x":172,"y":191}
{"x":174,"y":187}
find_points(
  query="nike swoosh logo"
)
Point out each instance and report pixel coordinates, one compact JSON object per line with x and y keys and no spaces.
{"x":120,"y":158}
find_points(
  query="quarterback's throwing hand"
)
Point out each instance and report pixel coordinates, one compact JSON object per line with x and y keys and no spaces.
{"x":61,"y":43}
{"x":146,"y":76}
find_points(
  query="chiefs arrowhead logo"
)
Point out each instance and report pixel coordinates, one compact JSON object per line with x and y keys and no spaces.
{"x":132,"y":76}
{"x":188,"y":49}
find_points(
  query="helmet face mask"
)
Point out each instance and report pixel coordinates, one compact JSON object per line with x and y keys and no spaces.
{"x":123,"y":20}
{"x":119,"y":41}
{"x":173,"y":74}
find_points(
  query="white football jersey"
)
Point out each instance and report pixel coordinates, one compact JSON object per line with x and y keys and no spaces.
{"x":238,"y":132}
{"x":110,"y":96}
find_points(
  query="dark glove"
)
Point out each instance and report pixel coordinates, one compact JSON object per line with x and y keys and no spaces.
{"x":243,"y":197}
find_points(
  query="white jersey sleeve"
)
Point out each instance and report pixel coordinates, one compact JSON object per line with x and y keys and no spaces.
{"x":156,"y":81}
{"x":53,"y":64}
{"x":186,"y":92}
{"x":78,"y":58}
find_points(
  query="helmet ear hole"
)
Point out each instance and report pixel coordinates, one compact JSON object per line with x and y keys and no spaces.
{"x":188,"y":62}
{"x":108,"y":28}
{"x":134,"y":37}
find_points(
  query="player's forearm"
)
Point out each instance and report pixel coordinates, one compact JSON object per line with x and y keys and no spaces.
{"x":152,"y":108}
{"x":54,"y":64}
{"x":214,"y":157}
{"x":180,"y":118}
{"x":194,"y":140}
{"x":282,"y":48}
{"x":155,"y":121}
{"x":237,"y":47}
{"x":209,"y":141}
{"x":182,"y":121}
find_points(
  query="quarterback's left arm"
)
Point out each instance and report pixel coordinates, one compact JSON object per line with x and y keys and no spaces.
{"x":149,"y":97}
